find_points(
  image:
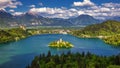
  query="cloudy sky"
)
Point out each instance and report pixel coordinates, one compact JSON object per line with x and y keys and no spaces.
{"x":101,"y":9}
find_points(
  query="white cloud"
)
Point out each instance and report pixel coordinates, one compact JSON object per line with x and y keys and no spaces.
{"x":111,"y":5}
{"x":9,"y":3}
{"x":46,"y":10}
{"x":102,"y":11}
{"x":32,"y":6}
{"x":11,"y":10}
{"x":72,"y":9}
{"x":84,"y":3}
{"x":54,"y":12}
{"x":18,"y":13}
{"x":14,"y":4}
{"x":41,"y":4}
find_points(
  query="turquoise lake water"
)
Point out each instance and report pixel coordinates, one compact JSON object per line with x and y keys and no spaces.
{"x":19,"y":54}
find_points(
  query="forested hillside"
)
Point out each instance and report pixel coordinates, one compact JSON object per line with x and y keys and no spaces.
{"x":8,"y":35}
{"x":109,"y":31}
{"x":106,"y":28}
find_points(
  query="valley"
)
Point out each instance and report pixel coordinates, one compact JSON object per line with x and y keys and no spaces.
{"x":108,"y":31}
{"x":60,"y":34}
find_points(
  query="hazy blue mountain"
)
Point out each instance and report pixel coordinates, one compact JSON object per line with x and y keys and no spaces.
{"x":28,"y":19}
{"x":117,"y":18}
{"x":84,"y":20}
{"x":5,"y":18}
{"x":33,"y":20}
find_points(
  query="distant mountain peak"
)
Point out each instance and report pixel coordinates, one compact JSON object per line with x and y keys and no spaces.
{"x":117,"y":18}
{"x":33,"y":14}
{"x":84,"y":16}
{"x":29,"y":13}
{"x":5,"y":14}
{"x":84,"y":20}
{"x":2,"y":10}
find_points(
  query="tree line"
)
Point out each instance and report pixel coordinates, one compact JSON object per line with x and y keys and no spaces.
{"x":76,"y":60}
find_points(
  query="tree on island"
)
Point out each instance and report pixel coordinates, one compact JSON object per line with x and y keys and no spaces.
{"x":60,"y":44}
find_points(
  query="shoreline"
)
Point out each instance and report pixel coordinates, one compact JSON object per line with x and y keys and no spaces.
{"x":33,"y":32}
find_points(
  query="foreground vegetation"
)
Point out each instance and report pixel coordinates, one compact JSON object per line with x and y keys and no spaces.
{"x":109,"y":31}
{"x":77,"y":60}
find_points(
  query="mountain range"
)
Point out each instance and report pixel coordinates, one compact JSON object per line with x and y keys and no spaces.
{"x":117,"y":18}
{"x":29,"y":19}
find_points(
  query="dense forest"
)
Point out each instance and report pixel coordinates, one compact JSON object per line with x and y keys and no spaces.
{"x":77,"y":60}
{"x":113,"y":40}
{"x":8,"y":35}
{"x":106,"y":28}
{"x":109,"y":31}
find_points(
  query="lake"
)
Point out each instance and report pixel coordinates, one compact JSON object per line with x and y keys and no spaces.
{"x":20,"y":53}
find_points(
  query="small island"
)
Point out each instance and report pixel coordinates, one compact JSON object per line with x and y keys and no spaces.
{"x":60,"y":44}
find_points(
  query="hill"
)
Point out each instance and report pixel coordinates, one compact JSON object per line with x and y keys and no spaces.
{"x":15,"y":34}
{"x":109,"y":27}
{"x":113,"y":40}
{"x":108,"y":31}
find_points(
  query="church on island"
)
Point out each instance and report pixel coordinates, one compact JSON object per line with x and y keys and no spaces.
{"x":60,"y":44}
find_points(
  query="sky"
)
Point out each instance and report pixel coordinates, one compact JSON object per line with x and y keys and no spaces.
{"x":100,"y":9}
